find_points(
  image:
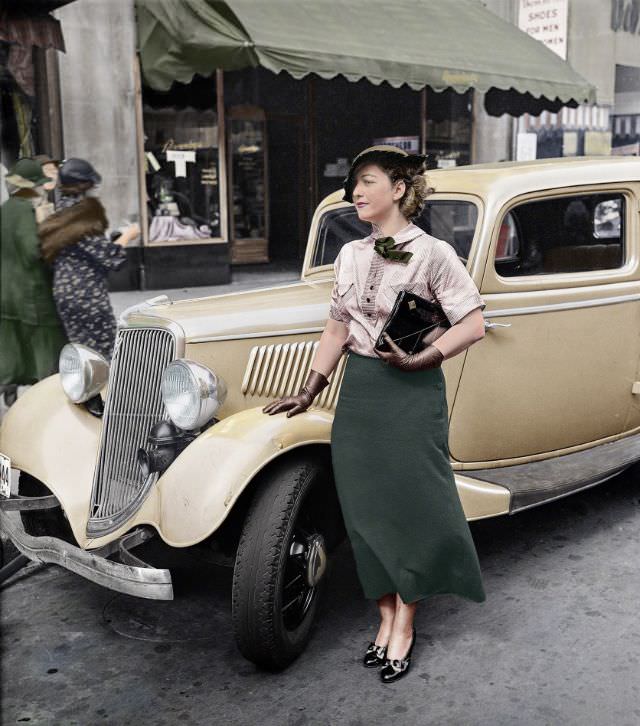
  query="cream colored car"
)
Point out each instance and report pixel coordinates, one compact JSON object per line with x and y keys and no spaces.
{"x":547,"y":403}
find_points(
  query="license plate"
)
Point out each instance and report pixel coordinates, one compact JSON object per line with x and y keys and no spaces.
{"x":5,"y":476}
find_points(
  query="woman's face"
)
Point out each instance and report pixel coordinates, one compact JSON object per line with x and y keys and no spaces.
{"x":374,"y":195}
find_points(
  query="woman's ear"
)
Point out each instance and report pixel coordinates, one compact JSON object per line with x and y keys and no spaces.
{"x":399,"y":189}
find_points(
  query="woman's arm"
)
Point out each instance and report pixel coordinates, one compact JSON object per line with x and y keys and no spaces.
{"x":467,"y":331}
{"x":329,"y":349}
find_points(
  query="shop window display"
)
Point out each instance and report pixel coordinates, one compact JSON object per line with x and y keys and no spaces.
{"x":182,"y":164}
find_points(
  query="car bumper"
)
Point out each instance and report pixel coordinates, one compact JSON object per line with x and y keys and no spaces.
{"x":131,"y":576}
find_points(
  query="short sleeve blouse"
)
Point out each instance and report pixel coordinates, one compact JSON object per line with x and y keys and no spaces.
{"x":366,"y":284}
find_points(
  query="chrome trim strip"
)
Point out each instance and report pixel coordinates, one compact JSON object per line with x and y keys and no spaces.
{"x":486,"y":313}
{"x":561,"y":306}
{"x":265,"y":334}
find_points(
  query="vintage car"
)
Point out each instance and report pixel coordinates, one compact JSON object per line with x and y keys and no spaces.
{"x":176,"y":443}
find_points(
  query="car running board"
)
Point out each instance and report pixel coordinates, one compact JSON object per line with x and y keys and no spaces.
{"x":542,"y":481}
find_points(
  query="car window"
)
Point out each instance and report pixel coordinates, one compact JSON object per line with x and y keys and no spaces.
{"x":451,"y":220}
{"x":562,"y":234}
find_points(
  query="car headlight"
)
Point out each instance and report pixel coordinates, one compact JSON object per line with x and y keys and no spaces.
{"x":192,"y":393}
{"x":83,"y":372}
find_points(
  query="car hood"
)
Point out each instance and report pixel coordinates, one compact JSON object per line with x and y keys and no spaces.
{"x":287,"y":309}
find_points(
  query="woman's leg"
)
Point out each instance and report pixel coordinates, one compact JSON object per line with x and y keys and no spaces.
{"x":387,"y":606}
{"x":402,"y":631}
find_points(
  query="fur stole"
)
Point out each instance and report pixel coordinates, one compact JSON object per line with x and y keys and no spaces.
{"x":70,"y":225}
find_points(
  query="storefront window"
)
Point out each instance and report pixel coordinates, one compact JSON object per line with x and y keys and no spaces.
{"x":449,"y":127}
{"x":182,"y":162}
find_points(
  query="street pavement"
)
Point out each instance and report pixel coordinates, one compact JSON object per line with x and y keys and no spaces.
{"x":556,"y":642}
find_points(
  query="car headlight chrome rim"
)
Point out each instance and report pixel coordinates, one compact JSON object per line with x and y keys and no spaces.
{"x":192,"y":393}
{"x":83,"y":372}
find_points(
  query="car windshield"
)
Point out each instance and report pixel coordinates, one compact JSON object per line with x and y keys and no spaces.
{"x":452,"y":220}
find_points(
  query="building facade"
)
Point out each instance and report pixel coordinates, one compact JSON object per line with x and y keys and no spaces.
{"x":227,"y":169}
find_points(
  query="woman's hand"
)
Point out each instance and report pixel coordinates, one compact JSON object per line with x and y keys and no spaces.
{"x":430,"y":357}
{"x":129,"y":234}
{"x":293,"y":405}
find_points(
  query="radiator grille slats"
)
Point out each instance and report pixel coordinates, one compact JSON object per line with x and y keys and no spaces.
{"x":281,"y":369}
{"x":133,"y":405}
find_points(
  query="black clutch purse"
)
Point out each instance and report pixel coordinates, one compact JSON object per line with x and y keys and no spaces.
{"x":410,"y":319}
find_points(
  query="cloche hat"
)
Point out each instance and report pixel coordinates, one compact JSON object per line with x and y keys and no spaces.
{"x":75,"y":170}
{"x":375,"y":154}
{"x":26,"y":173}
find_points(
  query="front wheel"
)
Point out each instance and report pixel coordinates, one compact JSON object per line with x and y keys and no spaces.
{"x":281,"y":563}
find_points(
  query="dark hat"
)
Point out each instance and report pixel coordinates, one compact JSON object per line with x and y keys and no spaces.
{"x":379,"y":153}
{"x":73,"y":171}
{"x":26,"y":173}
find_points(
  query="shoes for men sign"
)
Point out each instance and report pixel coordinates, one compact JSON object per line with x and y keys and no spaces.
{"x":546,"y":21}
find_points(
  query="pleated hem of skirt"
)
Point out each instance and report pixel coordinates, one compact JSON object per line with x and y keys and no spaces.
{"x":408,"y":599}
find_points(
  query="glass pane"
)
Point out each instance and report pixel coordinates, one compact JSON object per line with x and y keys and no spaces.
{"x":453,"y":221}
{"x":564,"y":234}
{"x":181,"y":156}
{"x":248,"y":173}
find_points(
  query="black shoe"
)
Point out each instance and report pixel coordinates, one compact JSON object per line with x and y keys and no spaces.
{"x":396,"y":668}
{"x":375,"y":655}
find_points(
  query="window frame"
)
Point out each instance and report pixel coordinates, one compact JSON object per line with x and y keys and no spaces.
{"x":321,"y":210}
{"x":494,"y":282}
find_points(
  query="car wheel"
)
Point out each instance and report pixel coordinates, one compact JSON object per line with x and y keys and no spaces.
{"x":281,"y":564}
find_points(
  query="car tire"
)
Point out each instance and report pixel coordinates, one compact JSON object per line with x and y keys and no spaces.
{"x":277,"y":524}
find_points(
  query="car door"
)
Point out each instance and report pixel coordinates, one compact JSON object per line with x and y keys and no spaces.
{"x":557,"y":365}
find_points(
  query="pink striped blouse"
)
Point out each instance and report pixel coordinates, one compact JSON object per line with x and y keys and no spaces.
{"x":367,"y":284}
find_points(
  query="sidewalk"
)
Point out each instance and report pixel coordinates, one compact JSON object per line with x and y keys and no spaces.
{"x":248,"y":277}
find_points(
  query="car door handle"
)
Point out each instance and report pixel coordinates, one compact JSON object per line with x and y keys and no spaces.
{"x":488,"y":325}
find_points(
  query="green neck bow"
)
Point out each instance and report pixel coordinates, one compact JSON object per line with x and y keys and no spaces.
{"x":383,"y":247}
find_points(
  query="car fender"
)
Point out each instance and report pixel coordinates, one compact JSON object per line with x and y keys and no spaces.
{"x":201,"y":486}
{"x":56,"y":441}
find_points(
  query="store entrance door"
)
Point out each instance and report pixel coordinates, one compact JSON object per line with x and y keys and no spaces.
{"x":288,"y":184}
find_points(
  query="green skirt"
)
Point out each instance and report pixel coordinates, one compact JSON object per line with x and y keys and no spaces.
{"x":402,"y":512}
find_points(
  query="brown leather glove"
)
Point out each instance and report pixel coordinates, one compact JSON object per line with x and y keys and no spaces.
{"x":297,"y":404}
{"x":429,"y":357}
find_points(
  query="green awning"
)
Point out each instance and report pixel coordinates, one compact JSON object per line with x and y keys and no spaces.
{"x":440,"y":43}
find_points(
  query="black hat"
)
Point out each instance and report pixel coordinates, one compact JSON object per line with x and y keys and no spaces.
{"x":73,"y":171}
{"x":373,"y":154}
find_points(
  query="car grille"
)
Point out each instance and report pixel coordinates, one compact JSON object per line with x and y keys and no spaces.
{"x":133,"y":405}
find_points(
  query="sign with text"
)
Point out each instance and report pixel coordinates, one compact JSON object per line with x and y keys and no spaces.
{"x":410,"y":144}
{"x":546,"y":21}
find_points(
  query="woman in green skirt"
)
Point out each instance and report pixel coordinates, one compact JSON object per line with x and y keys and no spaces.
{"x":389,"y":441}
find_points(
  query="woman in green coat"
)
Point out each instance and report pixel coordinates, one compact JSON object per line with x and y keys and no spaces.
{"x":31,"y":334}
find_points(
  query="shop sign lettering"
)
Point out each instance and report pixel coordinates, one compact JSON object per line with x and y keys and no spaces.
{"x":546,"y":21}
{"x":180,"y":159}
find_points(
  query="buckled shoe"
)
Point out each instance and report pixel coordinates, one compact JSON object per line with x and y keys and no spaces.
{"x":395,"y":668}
{"x":375,"y":655}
